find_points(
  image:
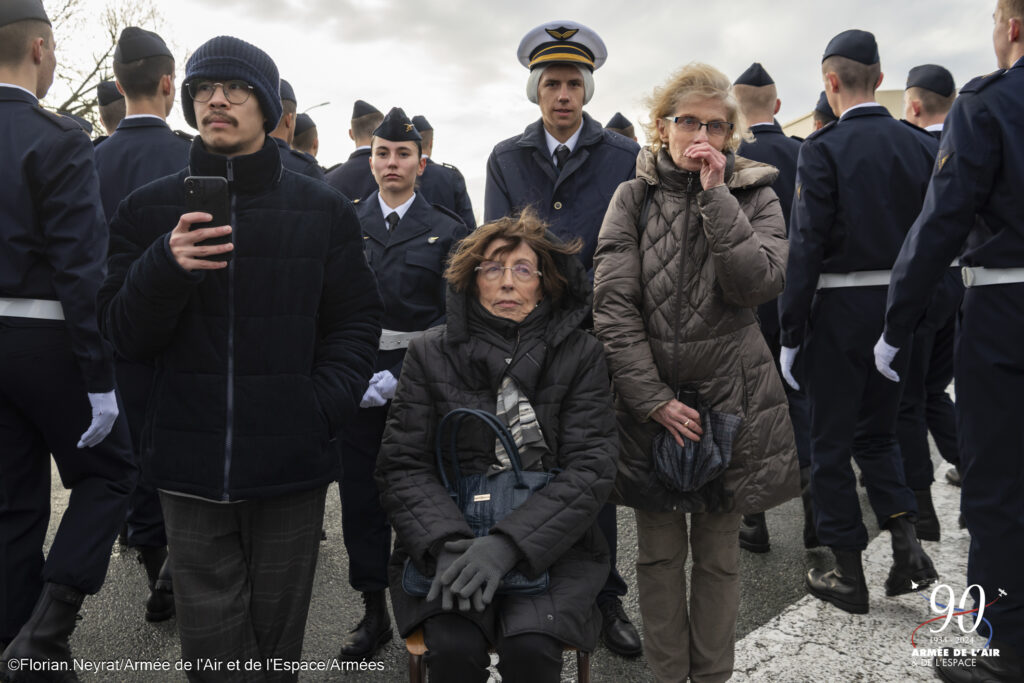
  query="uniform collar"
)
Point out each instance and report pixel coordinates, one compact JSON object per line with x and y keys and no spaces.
{"x":142,"y":121}
{"x":400,"y":209}
{"x":862,"y":105}
{"x":589,"y":133}
{"x":34,"y":100}
{"x":247,"y":174}
{"x":570,"y":143}
{"x":934,"y":128}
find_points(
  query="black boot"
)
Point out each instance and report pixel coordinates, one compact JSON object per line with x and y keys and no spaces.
{"x":160,"y":604}
{"x":810,"y":534}
{"x":371,"y":633}
{"x":617,"y":632}
{"x":844,"y":586}
{"x":927,"y":524}
{"x":754,"y":533}
{"x":912,"y":569}
{"x":44,"y":637}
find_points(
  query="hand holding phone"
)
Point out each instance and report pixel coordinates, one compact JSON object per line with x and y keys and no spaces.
{"x":204,"y":232}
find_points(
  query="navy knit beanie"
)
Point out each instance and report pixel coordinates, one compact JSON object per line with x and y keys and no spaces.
{"x":227,"y":58}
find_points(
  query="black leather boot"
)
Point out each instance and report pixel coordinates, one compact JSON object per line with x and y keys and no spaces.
{"x":927,"y":524}
{"x":44,"y":637}
{"x":371,"y":633}
{"x":160,"y":604}
{"x":912,"y":569}
{"x":754,"y":533}
{"x":617,"y":632}
{"x":843,"y":586}
{"x":810,"y":534}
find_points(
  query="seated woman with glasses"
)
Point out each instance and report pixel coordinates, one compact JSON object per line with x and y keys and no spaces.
{"x":686,"y":252}
{"x":511,"y":346}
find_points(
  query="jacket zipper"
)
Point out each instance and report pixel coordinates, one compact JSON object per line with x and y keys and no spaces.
{"x":679,"y":288}
{"x":229,"y":431}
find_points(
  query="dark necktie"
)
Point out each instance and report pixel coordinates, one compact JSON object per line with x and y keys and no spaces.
{"x":561,"y":155}
{"x":392,"y":219}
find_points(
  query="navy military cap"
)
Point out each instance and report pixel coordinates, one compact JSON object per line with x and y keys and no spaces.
{"x":397,"y":127}
{"x":755,"y":76}
{"x":85,"y":125}
{"x":564,"y":42}
{"x":824,"y":108}
{"x":136,"y":43}
{"x":287,"y":92}
{"x":107,"y":93}
{"x":618,"y":122}
{"x":303,"y":122}
{"x":361,"y":108}
{"x":22,"y":10}
{"x":860,"y":46}
{"x":932,"y":77}
{"x":421,"y":123}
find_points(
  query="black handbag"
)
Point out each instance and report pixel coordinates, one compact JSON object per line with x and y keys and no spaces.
{"x":685,"y":469}
{"x":484,"y":500}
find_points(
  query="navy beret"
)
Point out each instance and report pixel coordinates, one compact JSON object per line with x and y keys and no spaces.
{"x":823,"y":107}
{"x":932,"y":77}
{"x":618,"y":122}
{"x":303,"y":122}
{"x":755,"y":76}
{"x":22,"y":10}
{"x":421,"y":123}
{"x":361,"y":108}
{"x":397,"y":127}
{"x":136,"y":43}
{"x":860,"y":46}
{"x":287,"y":92}
{"x":107,"y":93}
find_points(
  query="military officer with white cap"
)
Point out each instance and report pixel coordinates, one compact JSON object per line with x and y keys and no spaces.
{"x":566,"y":166}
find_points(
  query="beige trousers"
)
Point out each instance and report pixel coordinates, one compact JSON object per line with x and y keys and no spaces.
{"x":698,"y":642}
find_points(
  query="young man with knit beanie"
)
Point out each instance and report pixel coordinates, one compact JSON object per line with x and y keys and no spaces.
{"x":263,"y":333}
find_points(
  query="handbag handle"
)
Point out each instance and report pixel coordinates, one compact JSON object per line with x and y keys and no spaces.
{"x":456,"y":417}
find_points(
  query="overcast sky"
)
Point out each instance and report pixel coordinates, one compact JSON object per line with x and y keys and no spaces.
{"x":455,"y":61}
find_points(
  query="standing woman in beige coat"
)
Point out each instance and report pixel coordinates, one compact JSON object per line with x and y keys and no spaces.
{"x":674,"y":303}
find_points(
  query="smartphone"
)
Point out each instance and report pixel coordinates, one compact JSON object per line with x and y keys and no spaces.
{"x":209,"y":194}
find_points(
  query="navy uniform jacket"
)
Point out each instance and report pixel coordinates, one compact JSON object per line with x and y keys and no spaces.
{"x":140,"y":151}
{"x":354,"y":178}
{"x":859,"y":186}
{"x":443,"y":184}
{"x":297,"y":161}
{"x":974,"y":197}
{"x":408,"y":263}
{"x":772,"y":146}
{"x":520,"y":173}
{"x":53,"y":236}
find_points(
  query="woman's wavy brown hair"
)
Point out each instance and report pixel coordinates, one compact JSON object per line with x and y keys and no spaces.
{"x":525,"y":227}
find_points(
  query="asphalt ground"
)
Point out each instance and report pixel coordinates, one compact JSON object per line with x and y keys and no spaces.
{"x":113,"y":632}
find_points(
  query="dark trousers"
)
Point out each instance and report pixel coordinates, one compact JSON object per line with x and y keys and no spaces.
{"x":243,"y":577}
{"x":853,"y":413}
{"x":615,"y":586}
{"x":925,"y":405}
{"x":457,"y":653}
{"x":799,"y":406}
{"x":989,"y":384}
{"x":364,"y":524}
{"x":44,"y":408}
{"x":145,"y":517}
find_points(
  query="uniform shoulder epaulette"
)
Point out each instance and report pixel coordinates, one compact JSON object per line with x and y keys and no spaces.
{"x":356,"y":200}
{"x":821,"y":131}
{"x":100,"y":139}
{"x":451,"y":168}
{"x":448,"y":212}
{"x":982,"y":82}
{"x":797,"y":138}
{"x":183,"y":135}
{"x":914,"y":126}
{"x":63,"y":122}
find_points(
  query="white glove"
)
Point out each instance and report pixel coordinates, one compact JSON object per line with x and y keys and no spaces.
{"x":376,"y":394}
{"x":883,"y":359}
{"x":104,"y":414}
{"x":786,"y":359}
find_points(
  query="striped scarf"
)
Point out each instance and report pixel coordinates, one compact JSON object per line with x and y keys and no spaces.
{"x":514,"y":410}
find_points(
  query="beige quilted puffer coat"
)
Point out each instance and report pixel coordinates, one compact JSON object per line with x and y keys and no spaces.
{"x":678,"y":309}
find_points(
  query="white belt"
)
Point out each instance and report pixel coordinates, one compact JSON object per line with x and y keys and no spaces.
{"x":977,"y":276}
{"x":43,"y":309}
{"x":391,"y":340}
{"x":862,"y":278}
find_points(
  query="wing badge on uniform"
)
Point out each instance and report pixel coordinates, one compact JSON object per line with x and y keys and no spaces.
{"x":562,"y":33}
{"x":431,"y":240}
{"x":942,"y":162}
